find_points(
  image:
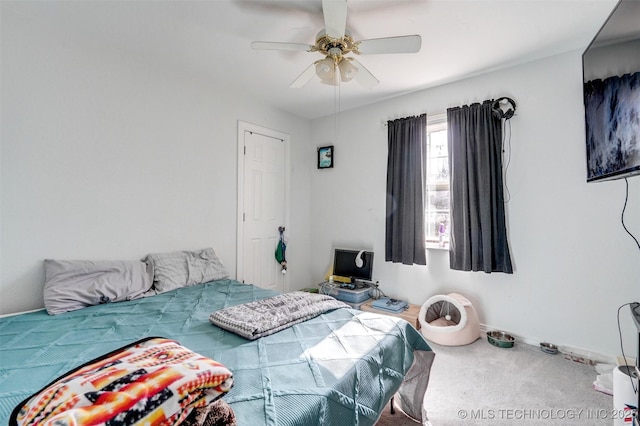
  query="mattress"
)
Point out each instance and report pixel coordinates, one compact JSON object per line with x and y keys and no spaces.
{"x":341,"y":367}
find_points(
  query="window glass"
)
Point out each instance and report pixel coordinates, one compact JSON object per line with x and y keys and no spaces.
{"x":437,"y":185}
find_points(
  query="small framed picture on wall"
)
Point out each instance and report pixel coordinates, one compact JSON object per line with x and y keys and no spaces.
{"x":325,"y":157}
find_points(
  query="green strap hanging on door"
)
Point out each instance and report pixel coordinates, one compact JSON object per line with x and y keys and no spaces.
{"x":281,"y":250}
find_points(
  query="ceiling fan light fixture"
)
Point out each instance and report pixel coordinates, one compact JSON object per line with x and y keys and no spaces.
{"x":326,"y":71}
{"x":347,"y":70}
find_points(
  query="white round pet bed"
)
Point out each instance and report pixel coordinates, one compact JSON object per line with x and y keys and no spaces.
{"x":449,"y":320}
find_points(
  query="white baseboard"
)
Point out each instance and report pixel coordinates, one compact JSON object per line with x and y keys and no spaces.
{"x":23,"y":312}
{"x":620,"y":360}
{"x":570,"y":352}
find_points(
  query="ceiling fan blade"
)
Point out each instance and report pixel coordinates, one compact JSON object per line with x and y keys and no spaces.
{"x":305,"y":77}
{"x":364,"y":76}
{"x":274,"y":45}
{"x":400,"y":44}
{"x":335,"y":17}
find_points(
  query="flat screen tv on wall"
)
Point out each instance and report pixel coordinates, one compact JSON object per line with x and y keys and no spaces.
{"x":611,"y":77}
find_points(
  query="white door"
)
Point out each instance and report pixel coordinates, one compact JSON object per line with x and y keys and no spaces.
{"x":262,"y":204}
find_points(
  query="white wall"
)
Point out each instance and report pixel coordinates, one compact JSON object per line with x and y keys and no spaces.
{"x":574,"y":264}
{"x":106,"y":156}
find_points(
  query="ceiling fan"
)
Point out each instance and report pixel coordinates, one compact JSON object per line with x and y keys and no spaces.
{"x":334,"y":42}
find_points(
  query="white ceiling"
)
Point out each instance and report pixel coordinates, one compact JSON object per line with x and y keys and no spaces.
{"x":211,"y":39}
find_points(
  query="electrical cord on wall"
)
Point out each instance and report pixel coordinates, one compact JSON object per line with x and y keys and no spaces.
{"x":506,"y":165}
{"x":624,"y":208}
{"x":635,"y":390}
{"x":626,"y":197}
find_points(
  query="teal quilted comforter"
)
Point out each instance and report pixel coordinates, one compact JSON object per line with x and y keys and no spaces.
{"x":339,"y":368}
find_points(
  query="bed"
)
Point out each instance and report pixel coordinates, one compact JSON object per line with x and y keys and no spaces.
{"x":341,"y":367}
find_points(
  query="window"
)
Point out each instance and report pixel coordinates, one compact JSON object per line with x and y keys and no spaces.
{"x":437,"y":218}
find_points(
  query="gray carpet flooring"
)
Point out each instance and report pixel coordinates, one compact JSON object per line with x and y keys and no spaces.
{"x":480,"y":384}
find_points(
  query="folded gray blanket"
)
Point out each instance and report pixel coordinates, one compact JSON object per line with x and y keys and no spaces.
{"x":267,"y":316}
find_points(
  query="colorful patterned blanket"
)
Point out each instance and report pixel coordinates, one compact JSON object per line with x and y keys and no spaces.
{"x":154,"y":381}
{"x":267,"y":316}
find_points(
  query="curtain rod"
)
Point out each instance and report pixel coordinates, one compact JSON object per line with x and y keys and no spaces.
{"x":441,"y":116}
{"x":503,"y":100}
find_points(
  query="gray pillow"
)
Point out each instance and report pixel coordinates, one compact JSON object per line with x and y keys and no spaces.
{"x":76,"y":284}
{"x":185,"y":268}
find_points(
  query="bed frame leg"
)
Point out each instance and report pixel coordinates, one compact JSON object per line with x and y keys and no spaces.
{"x":391,"y":407}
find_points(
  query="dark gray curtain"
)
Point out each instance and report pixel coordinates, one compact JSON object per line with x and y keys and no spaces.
{"x":405,"y":233}
{"x":478,"y":231}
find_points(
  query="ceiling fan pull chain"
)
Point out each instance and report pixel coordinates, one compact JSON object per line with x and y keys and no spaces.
{"x":336,"y":96}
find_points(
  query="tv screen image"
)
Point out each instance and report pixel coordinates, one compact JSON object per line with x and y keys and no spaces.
{"x":612,"y":111}
{"x":344,"y":264}
{"x":611,"y":89}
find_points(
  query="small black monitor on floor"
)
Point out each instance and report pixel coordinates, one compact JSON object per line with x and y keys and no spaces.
{"x":355,"y":264}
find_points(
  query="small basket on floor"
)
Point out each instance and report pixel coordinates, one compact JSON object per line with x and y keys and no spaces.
{"x":449,"y":320}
